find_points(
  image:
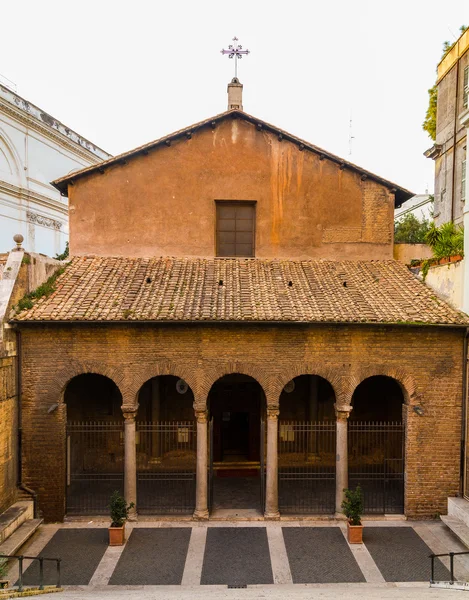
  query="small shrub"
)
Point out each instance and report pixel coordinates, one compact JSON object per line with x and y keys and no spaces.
{"x":353,"y":505}
{"x":3,"y":568}
{"x":64,"y":255}
{"x":119,"y":509}
{"x":44,"y":290}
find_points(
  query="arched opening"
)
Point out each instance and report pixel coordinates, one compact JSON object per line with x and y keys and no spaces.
{"x":95,"y":443}
{"x":376,"y":444}
{"x":237,"y":443}
{"x":166,"y":446}
{"x":306,"y":446}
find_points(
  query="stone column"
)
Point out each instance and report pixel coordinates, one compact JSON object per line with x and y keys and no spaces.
{"x":201,"y":494}
{"x":341,"y":465}
{"x":271,"y":491}
{"x":130,"y":460}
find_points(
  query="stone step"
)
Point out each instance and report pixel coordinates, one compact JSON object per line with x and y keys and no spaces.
{"x":459,"y":508}
{"x":20,"y":537}
{"x":460,"y":529}
{"x":14,"y":517}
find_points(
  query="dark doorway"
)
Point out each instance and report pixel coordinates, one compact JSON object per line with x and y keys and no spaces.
{"x":236,"y":459}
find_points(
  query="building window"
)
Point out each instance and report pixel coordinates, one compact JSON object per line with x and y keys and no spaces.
{"x":465,"y":97}
{"x":235,"y":228}
{"x":463,"y":181}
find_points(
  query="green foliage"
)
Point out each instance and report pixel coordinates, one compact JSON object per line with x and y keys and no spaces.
{"x":409,"y":230}
{"x":64,"y":254}
{"x":44,"y":290}
{"x":429,"y":125}
{"x":446,"y":240}
{"x":26,"y":260}
{"x":119,"y":509}
{"x":353,"y":505}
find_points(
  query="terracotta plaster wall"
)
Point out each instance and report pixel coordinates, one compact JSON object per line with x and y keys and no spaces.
{"x":163,"y":204}
{"x":426,"y":361}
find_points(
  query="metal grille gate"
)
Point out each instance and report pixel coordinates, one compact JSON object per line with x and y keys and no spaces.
{"x":376,"y":462}
{"x":95,"y":465}
{"x":166,"y":466}
{"x":306,"y":470}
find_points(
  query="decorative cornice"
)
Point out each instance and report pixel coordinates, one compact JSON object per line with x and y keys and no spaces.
{"x":433,"y":152}
{"x":25,"y":194}
{"x":42,"y":220}
{"x":54,"y":135}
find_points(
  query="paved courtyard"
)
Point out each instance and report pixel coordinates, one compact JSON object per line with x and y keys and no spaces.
{"x":303,"y":559}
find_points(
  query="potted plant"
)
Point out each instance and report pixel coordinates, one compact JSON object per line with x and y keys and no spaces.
{"x":353,"y":509}
{"x":119,"y":511}
{"x":3,"y":573}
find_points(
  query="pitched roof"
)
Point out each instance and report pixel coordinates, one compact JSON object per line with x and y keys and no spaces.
{"x":250,"y":290}
{"x":401,"y":194}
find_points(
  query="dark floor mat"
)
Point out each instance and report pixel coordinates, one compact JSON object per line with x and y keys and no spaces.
{"x":236,"y":492}
{"x":401,"y":554}
{"x":153,"y":556}
{"x":236,"y":556}
{"x":81,"y":551}
{"x":320,"y":555}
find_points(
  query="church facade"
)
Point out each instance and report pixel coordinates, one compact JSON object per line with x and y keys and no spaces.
{"x":232,"y":334}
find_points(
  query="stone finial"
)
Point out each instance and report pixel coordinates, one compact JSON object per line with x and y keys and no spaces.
{"x":18,"y":238}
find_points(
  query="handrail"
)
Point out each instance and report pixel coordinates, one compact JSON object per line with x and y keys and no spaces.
{"x":41,"y":560}
{"x":451,"y":563}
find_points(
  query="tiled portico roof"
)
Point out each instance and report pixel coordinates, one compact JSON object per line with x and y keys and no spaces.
{"x":104,"y":289}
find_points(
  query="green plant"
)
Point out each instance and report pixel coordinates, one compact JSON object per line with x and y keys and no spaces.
{"x":64,"y":254}
{"x":446,"y":240}
{"x":119,"y":509}
{"x":26,"y":260}
{"x":3,"y":567}
{"x":429,"y":125}
{"x":44,"y":290}
{"x":409,"y":230}
{"x":353,"y":505}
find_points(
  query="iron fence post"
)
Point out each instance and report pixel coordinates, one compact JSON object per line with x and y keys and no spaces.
{"x":451,"y":566}
{"x":20,"y":576}
{"x":432,"y":580}
{"x":41,"y":573}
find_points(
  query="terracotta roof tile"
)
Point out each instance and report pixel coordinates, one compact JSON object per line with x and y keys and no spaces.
{"x":198,"y":289}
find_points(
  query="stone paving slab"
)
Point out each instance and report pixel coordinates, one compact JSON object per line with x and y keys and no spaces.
{"x":236,"y":556}
{"x":153,"y":557}
{"x":81,"y":550}
{"x":320,"y":555}
{"x":401,"y":554}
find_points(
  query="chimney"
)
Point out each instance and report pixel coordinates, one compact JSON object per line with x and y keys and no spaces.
{"x":235,"y":94}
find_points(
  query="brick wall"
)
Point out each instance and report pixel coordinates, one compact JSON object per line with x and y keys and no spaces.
{"x":426,"y":361}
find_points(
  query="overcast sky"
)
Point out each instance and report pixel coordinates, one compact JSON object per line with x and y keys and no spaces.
{"x":124,"y":73}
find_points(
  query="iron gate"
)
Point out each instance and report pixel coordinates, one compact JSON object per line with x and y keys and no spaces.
{"x":376,"y":462}
{"x":166,"y":466}
{"x":306,"y":469}
{"x":95,"y":465}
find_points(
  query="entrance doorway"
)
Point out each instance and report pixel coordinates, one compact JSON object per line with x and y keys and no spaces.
{"x":236,"y":477}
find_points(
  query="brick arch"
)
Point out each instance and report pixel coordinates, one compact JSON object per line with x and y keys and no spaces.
{"x":331,"y":375}
{"x":406,"y":381}
{"x":156,"y":369}
{"x":211,"y":375}
{"x":62,"y":378}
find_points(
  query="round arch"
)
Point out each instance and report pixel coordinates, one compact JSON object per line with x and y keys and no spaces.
{"x":378,"y":398}
{"x":63,"y":377}
{"x":307,"y":398}
{"x":300,"y":369}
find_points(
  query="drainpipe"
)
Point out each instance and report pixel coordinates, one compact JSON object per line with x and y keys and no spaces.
{"x":462,"y":475}
{"x":20,"y":483}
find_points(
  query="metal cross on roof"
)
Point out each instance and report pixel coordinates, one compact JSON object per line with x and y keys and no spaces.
{"x":235,"y":51}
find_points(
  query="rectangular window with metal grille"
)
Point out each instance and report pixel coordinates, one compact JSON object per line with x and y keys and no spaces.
{"x":463,"y":181}
{"x":235,"y":228}
{"x":465,"y":97}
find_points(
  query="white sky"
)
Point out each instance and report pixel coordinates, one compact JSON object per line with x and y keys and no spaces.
{"x":124,"y":73}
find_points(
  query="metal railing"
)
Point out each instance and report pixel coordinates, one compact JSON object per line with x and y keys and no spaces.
{"x":41,"y":560}
{"x":451,"y":564}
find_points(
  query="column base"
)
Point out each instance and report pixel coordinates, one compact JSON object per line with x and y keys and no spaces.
{"x":272,"y":516}
{"x":200,"y":515}
{"x":133,"y":516}
{"x":340,"y":516}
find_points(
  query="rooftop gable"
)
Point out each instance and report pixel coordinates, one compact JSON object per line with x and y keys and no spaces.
{"x":401,"y":194}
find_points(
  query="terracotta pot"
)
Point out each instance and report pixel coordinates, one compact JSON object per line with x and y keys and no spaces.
{"x":117,"y":536}
{"x":354,"y":533}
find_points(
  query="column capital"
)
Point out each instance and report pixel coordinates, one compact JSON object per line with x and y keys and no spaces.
{"x":273,"y":413}
{"x":129,"y":412}
{"x":201,"y":416}
{"x":342,"y":411}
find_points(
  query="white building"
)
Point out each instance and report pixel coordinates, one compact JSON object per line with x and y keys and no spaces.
{"x":35,"y":149}
{"x":421,"y":206}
